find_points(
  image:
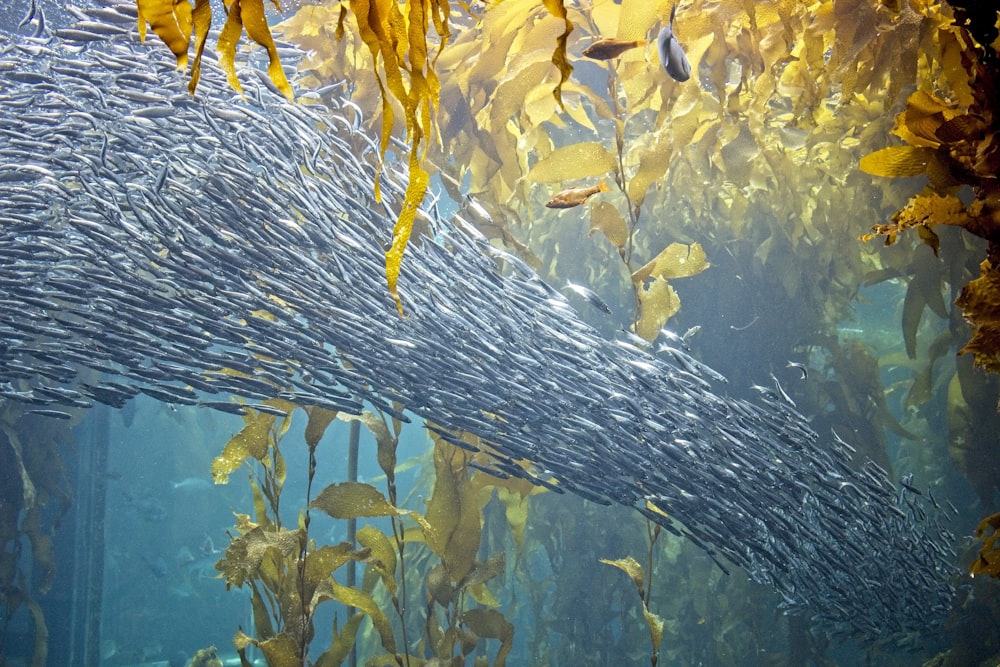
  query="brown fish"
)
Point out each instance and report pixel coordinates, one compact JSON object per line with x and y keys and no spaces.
{"x":606,"y":49}
{"x":575,"y":196}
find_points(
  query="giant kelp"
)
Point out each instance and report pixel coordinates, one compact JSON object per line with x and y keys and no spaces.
{"x":312,"y":312}
{"x":34,"y":495}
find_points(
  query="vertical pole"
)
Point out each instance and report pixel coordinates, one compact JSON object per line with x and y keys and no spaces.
{"x":88,"y":540}
{"x":352,"y":524}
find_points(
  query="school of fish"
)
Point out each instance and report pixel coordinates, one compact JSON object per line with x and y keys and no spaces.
{"x":196,"y":248}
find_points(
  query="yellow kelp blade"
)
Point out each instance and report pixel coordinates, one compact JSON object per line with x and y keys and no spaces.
{"x":632,"y":568}
{"x":256,"y":27}
{"x":580,"y":160}
{"x":677,"y":260}
{"x":228,"y":38}
{"x":202,"y":21}
{"x":171,"y":21}
{"x":557,"y":9}
{"x":897,"y":161}
{"x":491,"y":624}
{"x":988,"y":561}
{"x":404,"y":227}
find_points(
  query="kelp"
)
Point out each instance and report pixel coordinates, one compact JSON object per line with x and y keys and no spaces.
{"x":953,"y":143}
{"x":176,"y":22}
{"x":988,"y":560}
{"x":34,"y":496}
{"x":635,"y":572}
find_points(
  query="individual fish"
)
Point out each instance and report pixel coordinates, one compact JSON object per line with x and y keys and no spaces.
{"x":575,"y":196}
{"x":588,"y":295}
{"x":672,"y":54}
{"x":191,"y":484}
{"x":54,"y":414}
{"x":606,"y":49}
{"x":691,"y":333}
{"x":801,"y":368}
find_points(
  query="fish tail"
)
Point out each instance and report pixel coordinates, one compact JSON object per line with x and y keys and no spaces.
{"x":602,"y":186}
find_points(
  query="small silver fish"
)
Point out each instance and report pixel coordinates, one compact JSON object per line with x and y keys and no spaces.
{"x":800,"y":368}
{"x":191,"y":484}
{"x":671,"y":53}
{"x":691,"y":333}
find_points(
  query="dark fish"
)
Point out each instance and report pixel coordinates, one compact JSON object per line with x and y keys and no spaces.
{"x":672,"y":54}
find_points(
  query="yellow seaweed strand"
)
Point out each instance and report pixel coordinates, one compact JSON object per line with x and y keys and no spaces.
{"x":201,"y":19}
{"x":230,"y":35}
{"x":171,"y":21}
{"x":559,"y":59}
{"x":404,"y":226}
{"x":257,"y":30}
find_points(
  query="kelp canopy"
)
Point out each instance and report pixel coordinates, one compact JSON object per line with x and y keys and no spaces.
{"x":747,"y":166}
{"x":507,"y":112}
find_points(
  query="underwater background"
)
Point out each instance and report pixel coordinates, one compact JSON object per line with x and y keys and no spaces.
{"x":722,"y":235}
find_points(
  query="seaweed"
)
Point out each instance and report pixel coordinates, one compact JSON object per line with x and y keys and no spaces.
{"x":34,"y":496}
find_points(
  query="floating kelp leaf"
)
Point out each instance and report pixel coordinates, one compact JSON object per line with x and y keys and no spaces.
{"x":655,"y":624}
{"x":385,"y":441}
{"x":439,"y":587}
{"x":171,"y":21}
{"x":988,"y":561}
{"x":557,"y":9}
{"x":491,"y":624}
{"x":483,"y":571}
{"x":415,"y":191}
{"x":244,"y":555}
{"x":261,"y":615}
{"x":633,"y":569}
{"x":675,"y":261}
{"x":967,"y":127}
{"x":482,"y":595}
{"x":583,"y":160}
{"x":350,"y":500}
{"x":201,"y":18}
{"x":250,"y":443}
{"x":321,"y":563}
{"x":454,"y":511}
{"x":913,"y":310}
{"x":922,"y":387}
{"x":923,"y":210}
{"x":637,"y":17}
{"x":40,"y":652}
{"x":980,"y":304}
{"x":343,"y":643}
{"x":917,"y":125}
{"x":319,"y":419}
{"x":383,"y":555}
{"x":896,"y":161}
{"x":281,"y":650}
{"x":353,"y":597}
{"x":516,"y":509}
{"x":659,"y":302}
{"x":249,"y":14}
{"x":256,"y":26}
{"x":653,"y":163}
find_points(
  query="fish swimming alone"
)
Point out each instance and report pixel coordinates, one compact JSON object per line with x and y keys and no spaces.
{"x":672,"y":54}
{"x":606,"y":49}
{"x":156,"y":250}
{"x":575,"y":196}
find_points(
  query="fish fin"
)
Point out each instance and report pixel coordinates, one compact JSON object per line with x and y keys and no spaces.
{"x":602,"y":186}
